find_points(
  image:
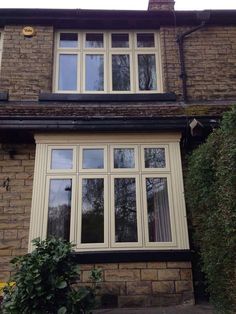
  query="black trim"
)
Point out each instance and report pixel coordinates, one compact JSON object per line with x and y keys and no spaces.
{"x":107,"y":97}
{"x":3,"y":96}
{"x":133,"y":256}
{"x":89,"y":124}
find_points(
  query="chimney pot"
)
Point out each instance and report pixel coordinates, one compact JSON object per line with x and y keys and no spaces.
{"x":161,"y":5}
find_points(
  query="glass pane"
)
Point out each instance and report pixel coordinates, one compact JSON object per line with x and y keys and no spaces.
{"x":124,"y":158}
{"x":67,"y":72}
{"x":92,"y":211}
{"x":154,"y":157}
{"x":93,"y":158}
{"x":59,"y":208}
{"x":62,"y":159}
{"x":120,"y":72}
{"x":145,"y":40}
{"x":68,"y":40}
{"x":120,"y":40}
{"x":159,"y":228}
{"x":94,"y":40}
{"x":147,"y":72}
{"x":125,"y":210}
{"x":94,"y":73}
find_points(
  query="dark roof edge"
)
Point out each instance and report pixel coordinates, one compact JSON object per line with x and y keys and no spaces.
{"x":75,"y":17}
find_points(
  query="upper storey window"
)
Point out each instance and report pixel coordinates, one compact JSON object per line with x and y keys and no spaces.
{"x":107,"y":62}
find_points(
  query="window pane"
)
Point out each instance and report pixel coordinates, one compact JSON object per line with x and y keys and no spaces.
{"x":147,"y":72}
{"x":68,"y":40}
{"x":92,"y":211}
{"x":124,"y":158}
{"x":120,"y":72}
{"x":93,"y":158}
{"x":94,"y":73}
{"x":120,"y":40}
{"x":59,"y":208}
{"x":67,"y":72}
{"x":125,"y":210}
{"x":159,"y":228}
{"x":62,"y":159}
{"x":94,"y":40}
{"x":154,"y":157}
{"x":145,"y":40}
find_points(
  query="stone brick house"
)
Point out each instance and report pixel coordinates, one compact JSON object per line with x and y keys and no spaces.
{"x":97,"y":110}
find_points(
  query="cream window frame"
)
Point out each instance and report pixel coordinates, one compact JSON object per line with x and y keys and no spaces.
{"x":171,"y":211}
{"x":39,"y":211}
{"x":59,"y":171}
{"x":107,"y":51}
{"x":167,"y":159}
{"x":73,"y":212}
{"x":80,"y":245}
{"x":93,"y":170}
{"x":125,"y":170}
{"x":139,"y":243}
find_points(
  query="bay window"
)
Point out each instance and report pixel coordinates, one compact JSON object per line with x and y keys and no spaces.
{"x":107,"y":192}
{"x":107,"y":62}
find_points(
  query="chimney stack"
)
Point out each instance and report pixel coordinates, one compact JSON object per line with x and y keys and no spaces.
{"x":161,"y":5}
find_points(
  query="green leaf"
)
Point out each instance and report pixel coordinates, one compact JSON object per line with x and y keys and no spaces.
{"x":62,"y":310}
{"x":62,"y":285}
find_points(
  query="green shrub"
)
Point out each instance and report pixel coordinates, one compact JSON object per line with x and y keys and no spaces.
{"x":211,"y":199}
{"x":45,"y":282}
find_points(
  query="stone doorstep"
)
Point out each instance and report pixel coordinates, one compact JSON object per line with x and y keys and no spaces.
{"x":179,"y":309}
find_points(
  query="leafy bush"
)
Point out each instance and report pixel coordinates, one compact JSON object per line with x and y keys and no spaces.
{"x":45,"y":282}
{"x":211,"y":198}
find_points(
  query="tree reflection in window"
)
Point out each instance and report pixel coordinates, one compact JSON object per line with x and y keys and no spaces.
{"x":124,"y":158}
{"x":159,"y":227}
{"x":92,"y":211}
{"x":125,"y":210}
{"x":59,"y":208}
{"x":147,"y":72}
{"x":155,"y":158}
{"x":121,"y":72}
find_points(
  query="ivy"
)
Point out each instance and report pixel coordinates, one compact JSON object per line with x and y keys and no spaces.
{"x":211,"y":200}
{"x":45,"y":282}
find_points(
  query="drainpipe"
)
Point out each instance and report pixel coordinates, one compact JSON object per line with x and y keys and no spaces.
{"x":203,"y":17}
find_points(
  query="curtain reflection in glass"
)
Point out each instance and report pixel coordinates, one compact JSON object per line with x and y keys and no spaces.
{"x":59,"y":208}
{"x":124,"y":158}
{"x":62,"y":159}
{"x":68,"y":40}
{"x":93,"y":158}
{"x":125,"y":210}
{"x":159,"y":227}
{"x":94,"y":40}
{"x":155,"y":157}
{"x":120,"y":72}
{"x":92,"y":211}
{"x":94,"y":72}
{"x":67,"y":72}
{"x":147,"y":72}
{"x":120,"y":40}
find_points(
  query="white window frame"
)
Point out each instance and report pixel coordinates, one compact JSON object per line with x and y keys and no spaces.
{"x":173,"y":173}
{"x":108,"y":51}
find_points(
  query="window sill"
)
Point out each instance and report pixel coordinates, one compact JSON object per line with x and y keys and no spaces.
{"x":133,"y":256}
{"x":107,"y":97}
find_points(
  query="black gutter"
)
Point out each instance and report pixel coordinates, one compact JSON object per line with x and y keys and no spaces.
{"x":204,"y":16}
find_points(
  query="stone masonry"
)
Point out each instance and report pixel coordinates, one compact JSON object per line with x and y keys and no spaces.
{"x":143,"y":284}
{"x":27,"y":63}
{"x":15,"y":203}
